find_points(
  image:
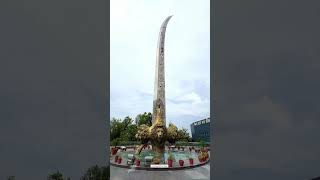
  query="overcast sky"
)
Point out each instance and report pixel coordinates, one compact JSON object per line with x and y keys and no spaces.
{"x":135,"y":26}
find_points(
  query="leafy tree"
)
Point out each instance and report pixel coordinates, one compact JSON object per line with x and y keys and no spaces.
{"x":96,"y":173}
{"x":172,"y":131}
{"x":115,"y":142}
{"x":127,"y":121}
{"x":145,"y":118}
{"x":129,"y":133}
{"x":183,"y":135}
{"x":115,"y":128}
{"x":122,"y":130}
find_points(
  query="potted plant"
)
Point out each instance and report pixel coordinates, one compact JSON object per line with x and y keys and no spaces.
{"x":138,"y":160}
{"x":206,"y":155}
{"x":116,"y":158}
{"x":203,"y":156}
{"x":181,"y":162}
{"x":200,"y":157}
{"x":114,"y":143}
{"x":190,"y":160}
{"x":119,"y":160}
{"x":114,"y":150}
{"x":170,"y":160}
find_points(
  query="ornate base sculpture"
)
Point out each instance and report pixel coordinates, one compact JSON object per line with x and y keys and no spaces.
{"x":157,"y":134}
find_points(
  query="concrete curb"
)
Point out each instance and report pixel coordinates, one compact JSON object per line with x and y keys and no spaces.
{"x":159,"y":169}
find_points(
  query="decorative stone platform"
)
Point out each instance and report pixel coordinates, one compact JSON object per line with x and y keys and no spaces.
{"x":197,"y":173}
{"x":176,"y":166}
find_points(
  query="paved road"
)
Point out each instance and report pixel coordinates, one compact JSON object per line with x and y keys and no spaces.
{"x":199,"y":173}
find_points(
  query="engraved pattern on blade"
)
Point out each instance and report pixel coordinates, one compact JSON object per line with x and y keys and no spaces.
{"x":159,"y":86}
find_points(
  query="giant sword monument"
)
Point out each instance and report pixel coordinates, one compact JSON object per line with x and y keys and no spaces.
{"x":158,"y":133}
